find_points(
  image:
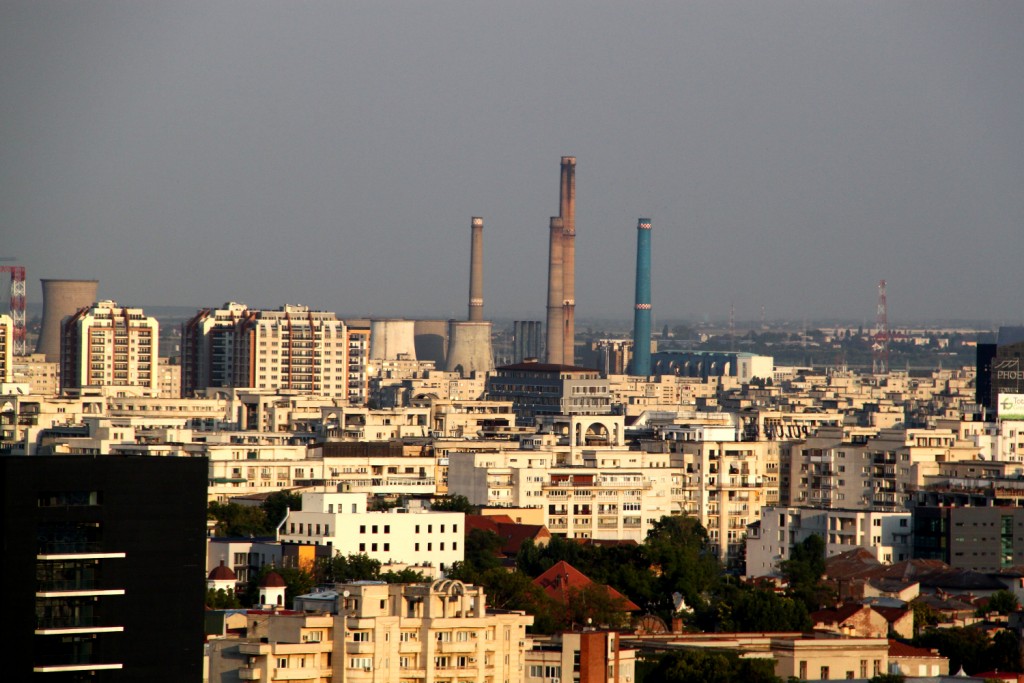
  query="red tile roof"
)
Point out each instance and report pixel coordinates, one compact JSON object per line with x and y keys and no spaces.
{"x":563,"y":578}
{"x":898,"y":649}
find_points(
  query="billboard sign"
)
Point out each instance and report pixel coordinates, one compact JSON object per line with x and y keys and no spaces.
{"x":1011,"y":406}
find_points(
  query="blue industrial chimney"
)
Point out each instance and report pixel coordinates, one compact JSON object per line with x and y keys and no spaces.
{"x":641,"y":364}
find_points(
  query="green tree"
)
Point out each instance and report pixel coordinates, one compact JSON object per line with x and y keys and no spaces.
{"x":804,"y":570}
{"x":456,"y":503}
{"x":344,"y":568}
{"x":965,"y":647}
{"x":924,"y":616}
{"x":238,"y":521}
{"x":483,"y":550}
{"x":222,"y":599}
{"x":678,"y":554}
{"x":1002,"y":602}
{"x":1004,"y":654}
{"x":406,"y":575}
{"x":700,"y":666}
{"x":887,"y":678}
{"x":744,"y":608}
{"x":275,"y":505}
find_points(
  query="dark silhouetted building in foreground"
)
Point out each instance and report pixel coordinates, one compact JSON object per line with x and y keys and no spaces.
{"x":108,"y":554}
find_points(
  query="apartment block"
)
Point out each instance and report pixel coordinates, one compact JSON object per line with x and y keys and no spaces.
{"x":342,"y":522}
{"x":107,"y":345}
{"x":289,"y":349}
{"x":440,"y":631}
{"x":770,"y":542}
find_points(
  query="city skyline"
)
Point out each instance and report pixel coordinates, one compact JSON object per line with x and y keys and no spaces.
{"x":790,"y":154}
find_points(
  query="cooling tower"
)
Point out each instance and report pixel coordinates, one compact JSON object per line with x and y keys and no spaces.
{"x":525,"y":340}
{"x":641,"y":363}
{"x":469,"y":347}
{"x":61,"y":298}
{"x":432,"y":341}
{"x":392,"y":338}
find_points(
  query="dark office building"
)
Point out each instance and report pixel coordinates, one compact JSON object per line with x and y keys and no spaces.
{"x":108,"y":553}
{"x":985,"y":539}
{"x":1000,"y":367}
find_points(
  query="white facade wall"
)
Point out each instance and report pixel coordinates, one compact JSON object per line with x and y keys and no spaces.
{"x":116,"y":347}
{"x":886,"y":534}
{"x":342,"y":521}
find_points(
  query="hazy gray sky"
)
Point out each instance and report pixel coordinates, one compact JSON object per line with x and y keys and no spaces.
{"x":790,"y":154}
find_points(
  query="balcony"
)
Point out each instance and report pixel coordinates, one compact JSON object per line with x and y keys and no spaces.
{"x":250,"y":673}
{"x":300,"y":674}
{"x":74,"y":550}
{"x":73,"y":624}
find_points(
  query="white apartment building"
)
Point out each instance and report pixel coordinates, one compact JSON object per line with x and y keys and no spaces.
{"x":107,"y":345}
{"x":292,"y":348}
{"x":611,"y":494}
{"x":439,"y":632}
{"x":723,"y":482}
{"x":279,"y":646}
{"x":341,"y":521}
{"x":886,"y":534}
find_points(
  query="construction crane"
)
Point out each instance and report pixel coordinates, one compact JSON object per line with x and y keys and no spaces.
{"x":17,"y":303}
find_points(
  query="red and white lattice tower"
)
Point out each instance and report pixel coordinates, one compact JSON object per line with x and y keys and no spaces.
{"x":880,"y":338}
{"x":17,"y":305}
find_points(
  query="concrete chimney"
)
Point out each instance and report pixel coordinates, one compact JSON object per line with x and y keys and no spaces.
{"x":641,"y":363}
{"x":476,"y":270}
{"x":61,"y":298}
{"x":554,"y":345}
{"x":567,"y":209}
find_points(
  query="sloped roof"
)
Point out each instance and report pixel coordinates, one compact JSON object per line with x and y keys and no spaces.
{"x":222,"y":573}
{"x":851,"y":564}
{"x":560,"y":579}
{"x":511,"y":534}
{"x":273,"y":580}
{"x":892,"y":614}
{"x":837,"y":615}
{"x":898,"y":649}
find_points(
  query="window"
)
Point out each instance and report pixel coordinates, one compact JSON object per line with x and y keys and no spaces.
{"x":362,"y":528}
{"x":360,"y":636}
{"x":824,"y":673}
{"x":282,"y":662}
{"x":365,"y":663}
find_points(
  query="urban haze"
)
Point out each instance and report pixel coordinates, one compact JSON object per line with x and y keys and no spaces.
{"x":790,"y":154}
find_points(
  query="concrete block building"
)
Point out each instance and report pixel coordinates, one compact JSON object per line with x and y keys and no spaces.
{"x":342,"y":522}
